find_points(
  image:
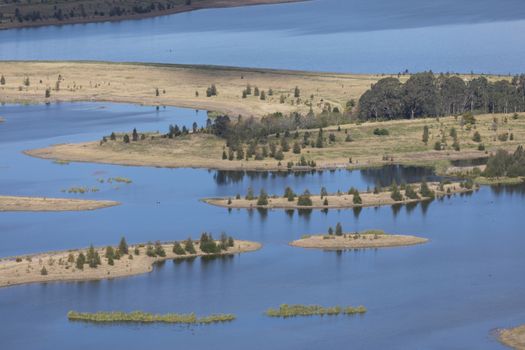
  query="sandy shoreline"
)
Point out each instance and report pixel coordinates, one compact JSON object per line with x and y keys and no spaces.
{"x":341,"y":201}
{"x":209,"y":4}
{"x":513,"y":337}
{"x":17,"y":203}
{"x":28,"y":268}
{"x":356,"y":241}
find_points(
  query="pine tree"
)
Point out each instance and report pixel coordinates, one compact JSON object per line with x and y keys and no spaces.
{"x":123,"y":246}
{"x":189,"y":246}
{"x":2,"y":80}
{"x":249,"y":195}
{"x":81,"y":260}
{"x":263,"y":198}
{"x":296,"y":148}
{"x":338,"y":229}
{"x":357,"y":198}
{"x":43,"y":271}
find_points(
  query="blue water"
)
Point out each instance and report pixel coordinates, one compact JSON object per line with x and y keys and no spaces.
{"x":449,"y":293}
{"x":325,"y":35}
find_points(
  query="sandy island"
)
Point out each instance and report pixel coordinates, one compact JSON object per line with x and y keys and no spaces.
{"x":366,"y":239}
{"x":343,"y":200}
{"x":28,"y":268}
{"x":513,"y":337}
{"x":15,"y":203}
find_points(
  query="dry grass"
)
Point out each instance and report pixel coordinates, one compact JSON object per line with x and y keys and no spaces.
{"x":15,"y":203}
{"x":513,"y":337}
{"x":136,"y":83}
{"x":28,"y":268}
{"x":356,"y":240}
{"x":402,"y":146}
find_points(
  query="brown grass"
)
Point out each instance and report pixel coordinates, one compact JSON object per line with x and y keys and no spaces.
{"x":16,"y":203}
{"x":136,"y":83}
{"x":513,"y":337}
{"x":28,"y":268}
{"x":356,"y":240}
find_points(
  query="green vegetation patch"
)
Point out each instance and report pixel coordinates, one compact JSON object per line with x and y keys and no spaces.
{"x":145,"y":317}
{"x":286,"y":310}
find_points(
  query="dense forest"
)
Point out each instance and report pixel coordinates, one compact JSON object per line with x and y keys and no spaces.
{"x":30,"y":12}
{"x":428,"y":95}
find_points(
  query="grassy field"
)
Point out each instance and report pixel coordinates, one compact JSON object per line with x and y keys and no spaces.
{"x":31,"y":13}
{"x":403,"y":145}
{"x":177,"y":86}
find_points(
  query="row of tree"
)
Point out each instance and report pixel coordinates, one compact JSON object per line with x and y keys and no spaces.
{"x":504,"y":163}
{"x":427,"y":95}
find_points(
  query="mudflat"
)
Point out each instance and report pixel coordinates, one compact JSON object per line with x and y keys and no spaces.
{"x":15,"y":203}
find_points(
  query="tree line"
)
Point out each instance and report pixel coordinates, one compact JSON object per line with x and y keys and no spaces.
{"x":427,"y":95}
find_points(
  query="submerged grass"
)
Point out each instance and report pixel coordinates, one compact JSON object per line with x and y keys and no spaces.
{"x":286,"y":310}
{"x":145,"y":317}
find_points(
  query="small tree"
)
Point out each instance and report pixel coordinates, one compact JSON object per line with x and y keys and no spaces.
{"x":296,"y":148}
{"x":123,"y":246}
{"x":338,"y":229}
{"x":476,"y":137}
{"x":159,"y":249}
{"x":126,"y":138}
{"x":134,"y":135}
{"x":425,"y":134}
{"x":304,"y":199}
{"x":410,"y":193}
{"x":395,"y":193}
{"x":48,"y":93}
{"x":425,"y":191}
{"x":43,"y":271}
{"x":357,"y":198}
{"x":189,"y":246}
{"x":296,"y":92}
{"x":330,"y":231}
{"x":2,"y":80}
{"x":81,"y":260}
{"x":324,"y":192}
{"x":289,"y":194}
{"x":249,"y":194}
{"x":263,"y":198}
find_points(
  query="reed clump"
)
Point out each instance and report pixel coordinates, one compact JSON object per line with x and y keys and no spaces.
{"x":146,"y":317}
{"x":286,"y":310}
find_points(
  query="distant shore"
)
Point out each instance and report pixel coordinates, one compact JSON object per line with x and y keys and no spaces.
{"x":58,"y":267}
{"x":513,"y":337}
{"x":342,"y":200}
{"x":204,"y":4}
{"x":17,"y":203}
{"x":357,"y":240}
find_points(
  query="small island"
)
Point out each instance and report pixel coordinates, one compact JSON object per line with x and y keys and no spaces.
{"x":366,"y":239}
{"x":403,"y":194}
{"x":145,"y":317}
{"x":285,"y":311}
{"x":111,"y":262}
{"x":513,"y":337}
{"x":17,"y":203}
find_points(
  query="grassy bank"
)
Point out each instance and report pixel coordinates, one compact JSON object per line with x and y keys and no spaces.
{"x":17,"y":203}
{"x":145,"y":317}
{"x":286,"y":311}
{"x":362,"y":149}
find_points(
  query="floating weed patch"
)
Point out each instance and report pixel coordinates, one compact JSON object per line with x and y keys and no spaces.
{"x":313,"y":310}
{"x":119,"y":179}
{"x":145,"y":317}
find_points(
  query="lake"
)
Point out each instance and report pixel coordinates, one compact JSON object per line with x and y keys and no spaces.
{"x":450,"y":292}
{"x":323,"y":35}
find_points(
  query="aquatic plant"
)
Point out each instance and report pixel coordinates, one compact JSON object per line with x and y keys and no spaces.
{"x":286,"y":310}
{"x":145,"y":317}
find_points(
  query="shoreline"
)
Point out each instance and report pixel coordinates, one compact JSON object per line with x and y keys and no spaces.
{"x":343,"y":200}
{"x":512,"y":337}
{"x":46,"y":204}
{"x":358,"y":240}
{"x":167,"y":12}
{"x":26,"y":269}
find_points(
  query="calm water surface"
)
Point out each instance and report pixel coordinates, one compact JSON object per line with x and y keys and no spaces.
{"x":448,"y":293}
{"x":328,"y":35}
